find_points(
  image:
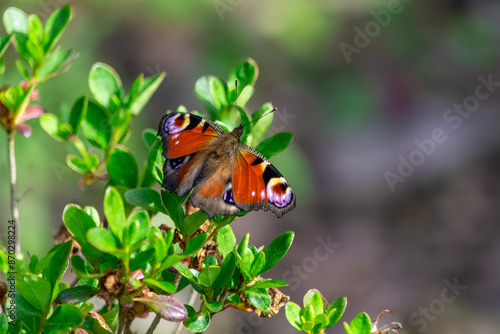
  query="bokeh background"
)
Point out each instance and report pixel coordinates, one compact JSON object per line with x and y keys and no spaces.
{"x":357,"y":92}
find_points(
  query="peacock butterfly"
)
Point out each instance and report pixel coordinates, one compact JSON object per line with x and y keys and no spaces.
{"x":227,"y":175}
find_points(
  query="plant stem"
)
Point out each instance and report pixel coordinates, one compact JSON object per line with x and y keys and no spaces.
{"x":192,"y":299}
{"x":153,"y":325}
{"x":14,"y":210}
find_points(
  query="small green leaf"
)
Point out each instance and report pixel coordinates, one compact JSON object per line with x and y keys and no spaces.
{"x":257,"y":264}
{"x":335,"y":311}
{"x":174,"y":208}
{"x":114,"y":211}
{"x":243,"y":244}
{"x":77,"y":164}
{"x":213,"y":305}
{"x":259,"y":298}
{"x":204,"y":88}
{"x":195,"y":244}
{"x":292,"y":312}
{"x":146,"y":90}
{"x":316,"y":303}
{"x":208,"y":275}
{"x":96,"y":127}
{"x":64,"y":319}
{"x":168,"y":287}
{"x":35,"y":29}
{"x":15,"y":20}
{"x":138,"y":223}
{"x":146,"y":198}
{"x":156,"y":161}
{"x":77,"y":113}
{"x":167,"y":307}
{"x":246,"y":73}
{"x":104,"y":84}
{"x":4,"y":43}
{"x":57,"y":61}
{"x":77,"y":294}
{"x":269,"y":283}
{"x":149,"y":136}
{"x":226,"y":240}
{"x":122,"y":168}
{"x":59,"y":131}
{"x":184,"y":271}
{"x":277,"y":249}
{"x":197,"y":323}
{"x":58,"y":263}
{"x":194,"y":221}
{"x":21,"y":68}
{"x":227,"y":269}
{"x":103,"y":240}
{"x":314,"y":293}
{"x":36,"y":290}
{"x":361,"y":324}
{"x":275,"y":144}
{"x":55,"y":25}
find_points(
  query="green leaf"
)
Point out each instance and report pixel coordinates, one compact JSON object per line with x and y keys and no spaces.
{"x":213,"y":305}
{"x":77,"y":113}
{"x":167,"y":307}
{"x":335,"y":311}
{"x":15,"y":20}
{"x":208,"y":275}
{"x":138,"y":223}
{"x":2,"y":66}
{"x":194,"y":221}
{"x":168,"y":287}
{"x":146,"y":90}
{"x":277,"y":249}
{"x":4,"y":323}
{"x":59,"y":131}
{"x":103,"y":240}
{"x":35,"y":29}
{"x":314,"y":293}
{"x":77,"y":164}
{"x":197,"y":323}
{"x":149,"y":136}
{"x":122,"y":168}
{"x":64,"y":319}
{"x":292,"y":312}
{"x":36,"y":290}
{"x":361,"y":324}
{"x":226,"y":240}
{"x":275,"y":144}
{"x":227,"y":269}
{"x":21,"y":68}
{"x":4,"y":43}
{"x":114,"y":211}
{"x":55,"y":25}
{"x":77,"y":294}
{"x":246,"y":74}
{"x":184,"y":271}
{"x":29,"y":316}
{"x":104,"y":84}
{"x":78,"y":222}
{"x":174,"y":208}
{"x":269,"y":283}
{"x":259,"y":298}
{"x":57,"y":61}
{"x":146,"y":198}
{"x":208,"y":89}
{"x":261,"y":124}
{"x":96,"y":127}
{"x":316,"y":302}
{"x":156,"y":161}
{"x":195,"y":244}
{"x":243,"y":244}
{"x":257,"y":264}
{"x":58,"y":263}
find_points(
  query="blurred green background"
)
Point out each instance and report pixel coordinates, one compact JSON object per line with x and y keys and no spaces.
{"x":357,"y":82}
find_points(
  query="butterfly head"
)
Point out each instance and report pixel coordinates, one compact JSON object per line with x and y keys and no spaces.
{"x":238,"y":131}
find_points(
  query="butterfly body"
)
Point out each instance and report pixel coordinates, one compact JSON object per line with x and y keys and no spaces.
{"x":227,"y":175}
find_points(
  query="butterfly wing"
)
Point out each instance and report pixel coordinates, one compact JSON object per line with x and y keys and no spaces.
{"x":184,"y":136}
{"x":257,"y":184}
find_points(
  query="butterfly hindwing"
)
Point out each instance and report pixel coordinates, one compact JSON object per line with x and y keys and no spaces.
{"x":257,"y":184}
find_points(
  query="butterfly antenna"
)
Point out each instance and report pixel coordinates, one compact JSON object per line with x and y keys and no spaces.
{"x":267,"y":113}
{"x":236,"y":92}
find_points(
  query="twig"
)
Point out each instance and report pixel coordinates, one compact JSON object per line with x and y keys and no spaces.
{"x":191,"y":301}
{"x":14,"y":210}
{"x":153,"y":325}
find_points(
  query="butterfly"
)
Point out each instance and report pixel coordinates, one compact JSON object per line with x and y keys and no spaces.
{"x":227,"y":175}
